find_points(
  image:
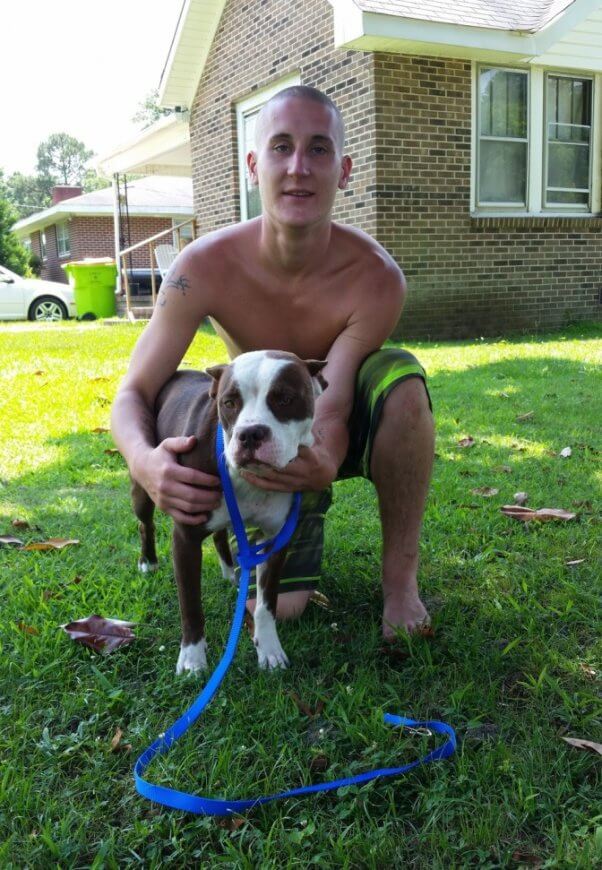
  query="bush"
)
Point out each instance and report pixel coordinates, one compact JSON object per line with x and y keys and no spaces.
{"x":13,"y":255}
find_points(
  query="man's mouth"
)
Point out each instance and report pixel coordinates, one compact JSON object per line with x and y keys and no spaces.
{"x":299,"y":194}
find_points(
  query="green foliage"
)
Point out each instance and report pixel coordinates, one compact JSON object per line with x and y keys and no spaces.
{"x":12,"y":253}
{"x":150,"y":111}
{"x":63,"y":158}
{"x":514,"y":664}
{"x":28,"y":193}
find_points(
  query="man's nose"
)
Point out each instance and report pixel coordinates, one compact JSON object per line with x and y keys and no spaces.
{"x":252,"y":436}
{"x":298,"y":163}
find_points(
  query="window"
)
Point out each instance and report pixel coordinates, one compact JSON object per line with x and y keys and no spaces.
{"x":43,"y":244}
{"x":536,"y":141}
{"x":568,"y":135}
{"x":502,"y":137}
{"x":246,"y":116}
{"x":63,"y":242}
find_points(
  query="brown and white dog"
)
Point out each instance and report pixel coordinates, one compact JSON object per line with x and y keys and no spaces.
{"x":265,"y":402}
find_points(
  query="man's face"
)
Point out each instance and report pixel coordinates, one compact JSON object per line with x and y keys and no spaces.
{"x":298,"y":163}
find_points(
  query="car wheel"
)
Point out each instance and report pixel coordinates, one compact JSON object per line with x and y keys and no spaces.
{"x":47,"y":308}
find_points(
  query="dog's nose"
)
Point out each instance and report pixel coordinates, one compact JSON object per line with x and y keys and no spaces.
{"x":252,"y":436}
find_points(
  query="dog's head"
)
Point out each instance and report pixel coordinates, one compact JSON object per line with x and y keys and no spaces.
{"x":265,"y":403}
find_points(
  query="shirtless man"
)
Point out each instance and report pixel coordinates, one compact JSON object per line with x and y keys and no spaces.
{"x":293,"y":279}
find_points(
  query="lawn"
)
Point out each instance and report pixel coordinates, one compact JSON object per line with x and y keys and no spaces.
{"x":514,"y":663}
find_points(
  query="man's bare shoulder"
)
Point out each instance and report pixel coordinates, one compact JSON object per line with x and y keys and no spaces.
{"x":210,"y":250}
{"x":372,"y":264}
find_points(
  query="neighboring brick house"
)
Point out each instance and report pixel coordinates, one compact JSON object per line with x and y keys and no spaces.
{"x":79,"y":226}
{"x":475,"y":130}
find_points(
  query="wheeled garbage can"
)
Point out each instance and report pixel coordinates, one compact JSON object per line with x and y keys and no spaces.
{"x":93,"y":283}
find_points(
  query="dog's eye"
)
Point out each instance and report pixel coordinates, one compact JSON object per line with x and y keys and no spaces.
{"x":283,"y":399}
{"x":228,"y":403}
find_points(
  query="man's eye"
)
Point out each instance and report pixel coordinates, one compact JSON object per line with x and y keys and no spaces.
{"x":319,"y":149}
{"x":281,"y":148}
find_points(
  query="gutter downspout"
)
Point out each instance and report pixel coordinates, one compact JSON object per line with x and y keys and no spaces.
{"x":116,"y":231}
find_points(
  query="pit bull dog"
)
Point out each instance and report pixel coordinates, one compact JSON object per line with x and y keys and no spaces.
{"x":265,"y":403}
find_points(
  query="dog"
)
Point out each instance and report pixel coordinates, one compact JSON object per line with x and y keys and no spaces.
{"x":265,"y":402}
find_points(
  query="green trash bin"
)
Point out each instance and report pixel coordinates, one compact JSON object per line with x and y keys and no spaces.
{"x":93,"y":283}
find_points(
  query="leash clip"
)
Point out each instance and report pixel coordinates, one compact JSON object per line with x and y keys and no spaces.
{"x":426,"y":732}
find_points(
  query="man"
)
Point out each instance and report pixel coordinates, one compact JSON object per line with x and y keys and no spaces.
{"x":293,"y":279}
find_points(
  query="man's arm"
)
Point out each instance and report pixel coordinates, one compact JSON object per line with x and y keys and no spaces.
{"x":371,"y":323}
{"x":178,"y":490}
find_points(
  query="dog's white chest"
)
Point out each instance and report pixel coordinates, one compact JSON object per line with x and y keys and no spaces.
{"x":258,"y":507}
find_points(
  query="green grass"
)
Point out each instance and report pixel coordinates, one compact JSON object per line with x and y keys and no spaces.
{"x":514,"y":664}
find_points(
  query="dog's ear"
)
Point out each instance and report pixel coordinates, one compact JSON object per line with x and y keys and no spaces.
{"x":215,"y":372}
{"x":315,"y":367}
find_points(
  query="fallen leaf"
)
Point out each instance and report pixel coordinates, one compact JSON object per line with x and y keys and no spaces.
{"x":486,"y":491}
{"x":520,"y":498}
{"x":526,"y":858}
{"x":565,"y":452}
{"x":318,"y":764}
{"x":320,"y":599}
{"x":27,"y":629}
{"x":522,"y":418}
{"x":584,"y":744}
{"x":305,"y":708}
{"x":586,"y":505}
{"x":229,"y":823}
{"x":100,"y":634}
{"x":20,"y":524}
{"x":51,"y":544}
{"x":467,"y":442}
{"x":503,"y":395}
{"x":10,"y":541}
{"x":526,"y":514}
{"x":424,"y":631}
{"x":521,"y":448}
{"x":100,"y":430}
{"x":575,"y":562}
{"x":98,"y":379}
{"x":111,"y":451}
{"x":589,"y":672}
{"x":39,"y":373}
{"x":117,"y":745}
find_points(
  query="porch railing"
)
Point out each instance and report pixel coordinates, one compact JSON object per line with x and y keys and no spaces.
{"x":150,"y":244}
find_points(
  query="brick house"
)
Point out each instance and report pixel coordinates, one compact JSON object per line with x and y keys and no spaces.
{"x":475,"y":130}
{"x":79,"y":226}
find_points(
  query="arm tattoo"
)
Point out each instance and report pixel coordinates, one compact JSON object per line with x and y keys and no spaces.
{"x":182,"y":284}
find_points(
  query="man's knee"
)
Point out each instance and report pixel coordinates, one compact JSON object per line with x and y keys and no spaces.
{"x":290,"y":604}
{"x":407,"y":405}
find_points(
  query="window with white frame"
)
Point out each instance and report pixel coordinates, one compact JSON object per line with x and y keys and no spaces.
{"x":503,"y":140}
{"x":247,"y":111}
{"x":535,"y":142}
{"x":568,"y":126}
{"x":43,"y":244}
{"x":63,"y":242}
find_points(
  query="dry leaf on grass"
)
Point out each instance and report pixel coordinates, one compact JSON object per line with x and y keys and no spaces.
{"x":111,"y":451}
{"x":521,"y":498}
{"x":10,"y":541}
{"x":318,"y":764}
{"x":52,"y":544}
{"x":565,"y":452}
{"x":100,"y":430}
{"x":100,"y":634}
{"x":584,"y":744}
{"x":526,"y":515}
{"x":522,"y":418}
{"x":526,"y":858}
{"x":305,"y":708}
{"x":27,"y":629}
{"x":96,"y":380}
{"x":485,"y":491}
{"x":467,"y":442}
{"x":575,"y":562}
{"x":117,"y":745}
{"x":20,"y":524}
{"x":229,"y":823}
{"x":320,"y":599}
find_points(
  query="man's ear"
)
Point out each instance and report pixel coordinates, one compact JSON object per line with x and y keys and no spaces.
{"x":252,"y":167}
{"x":215,"y":372}
{"x":315,"y":367}
{"x":346,"y":167}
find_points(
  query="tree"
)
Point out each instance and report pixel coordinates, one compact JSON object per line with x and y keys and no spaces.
{"x":27,"y":193}
{"x":63,"y":158}
{"x":12,"y":253}
{"x":150,"y":111}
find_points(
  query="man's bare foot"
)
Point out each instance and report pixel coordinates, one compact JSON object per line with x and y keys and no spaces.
{"x":403,"y":610}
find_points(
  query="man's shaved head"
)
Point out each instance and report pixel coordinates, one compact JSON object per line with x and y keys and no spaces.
{"x":303,"y":92}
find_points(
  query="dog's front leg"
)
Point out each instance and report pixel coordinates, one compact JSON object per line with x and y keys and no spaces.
{"x":269,"y":651}
{"x":187,"y":561}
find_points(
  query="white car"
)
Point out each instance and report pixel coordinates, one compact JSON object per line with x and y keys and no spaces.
{"x":33,"y":298}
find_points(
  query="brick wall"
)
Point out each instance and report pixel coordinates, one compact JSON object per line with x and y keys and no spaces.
{"x":467,"y":276}
{"x":93,"y":237}
{"x":408,"y":130}
{"x":278,"y":38}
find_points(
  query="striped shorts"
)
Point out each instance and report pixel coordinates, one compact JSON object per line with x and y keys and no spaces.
{"x":377,"y":376}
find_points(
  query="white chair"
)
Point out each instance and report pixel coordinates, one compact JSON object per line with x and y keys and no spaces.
{"x":165,"y":255}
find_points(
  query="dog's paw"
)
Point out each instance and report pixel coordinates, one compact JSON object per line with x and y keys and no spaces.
{"x":270,"y":654}
{"x":144,"y":566}
{"x":192,"y":658}
{"x":228,"y":572}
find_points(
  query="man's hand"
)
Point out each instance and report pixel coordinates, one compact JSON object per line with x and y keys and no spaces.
{"x":187,"y":494}
{"x":313,"y":469}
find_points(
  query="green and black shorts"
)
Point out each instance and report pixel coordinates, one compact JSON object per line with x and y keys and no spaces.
{"x":377,"y":376}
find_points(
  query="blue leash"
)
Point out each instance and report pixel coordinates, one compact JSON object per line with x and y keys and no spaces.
{"x":248,"y":557}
